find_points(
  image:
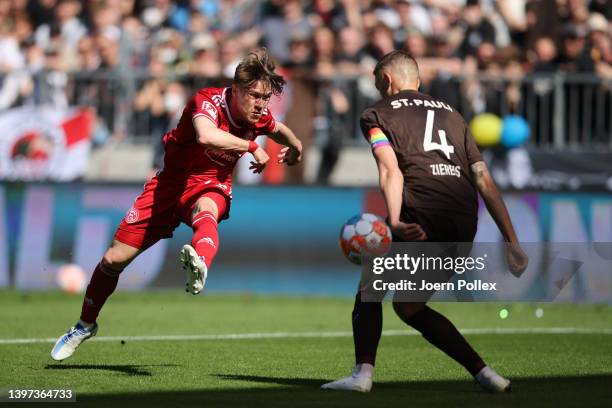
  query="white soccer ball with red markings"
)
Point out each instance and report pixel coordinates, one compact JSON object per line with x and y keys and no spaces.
{"x":364,"y":234}
{"x":71,"y":278}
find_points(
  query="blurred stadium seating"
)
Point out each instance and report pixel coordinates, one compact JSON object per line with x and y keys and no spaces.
{"x":133,"y":63}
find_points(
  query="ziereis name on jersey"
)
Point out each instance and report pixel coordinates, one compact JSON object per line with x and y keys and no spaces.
{"x":442,"y":169}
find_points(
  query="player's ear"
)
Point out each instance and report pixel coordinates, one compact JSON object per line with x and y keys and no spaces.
{"x":388,"y":81}
{"x":418,"y":84}
{"x":385,"y":84}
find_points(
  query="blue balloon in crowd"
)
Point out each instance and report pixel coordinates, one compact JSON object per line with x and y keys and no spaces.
{"x":515,"y":131}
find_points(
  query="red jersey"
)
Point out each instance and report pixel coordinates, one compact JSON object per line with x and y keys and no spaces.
{"x":183,"y":152}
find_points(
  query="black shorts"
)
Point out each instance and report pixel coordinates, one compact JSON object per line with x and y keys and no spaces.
{"x":441,"y":225}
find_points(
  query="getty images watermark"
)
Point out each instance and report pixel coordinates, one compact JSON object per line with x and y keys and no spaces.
{"x":407,"y":264}
{"x":417,"y":272}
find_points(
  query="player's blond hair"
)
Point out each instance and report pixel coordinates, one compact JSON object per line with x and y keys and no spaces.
{"x":399,"y":63}
{"x":258,"y":65}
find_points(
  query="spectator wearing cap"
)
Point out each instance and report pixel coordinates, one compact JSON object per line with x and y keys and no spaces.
{"x":600,"y":30}
{"x":575,"y":54}
{"x":600,"y":37}
{"x":205,"y":62}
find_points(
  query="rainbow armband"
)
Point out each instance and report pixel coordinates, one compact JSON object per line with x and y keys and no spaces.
{"x":377,"y":138}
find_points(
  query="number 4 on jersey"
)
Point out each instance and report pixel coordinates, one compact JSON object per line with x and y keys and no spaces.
{"x":429,"y":144}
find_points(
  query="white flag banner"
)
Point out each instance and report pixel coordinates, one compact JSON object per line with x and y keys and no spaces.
{"x":44,"y":143}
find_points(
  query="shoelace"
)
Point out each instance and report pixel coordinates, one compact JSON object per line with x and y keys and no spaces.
{"x":74,"y":334}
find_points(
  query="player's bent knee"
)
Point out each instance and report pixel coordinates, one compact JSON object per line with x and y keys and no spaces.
{"x":109,"y":267}
{"x":407,"y":310}
{"x":205,"y":204}
{"x":118,"y":257}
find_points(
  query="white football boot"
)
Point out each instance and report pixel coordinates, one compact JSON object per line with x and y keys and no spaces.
{"x":66,"y":345}
{"x":491,"y":381}
{"x":360,"y":380}
{"x":195,"y":269}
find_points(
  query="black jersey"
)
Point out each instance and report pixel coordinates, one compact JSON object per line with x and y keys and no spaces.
{"x":434,"y":150}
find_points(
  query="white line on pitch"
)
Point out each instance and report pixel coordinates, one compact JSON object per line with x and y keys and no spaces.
{"x":284,"y":335}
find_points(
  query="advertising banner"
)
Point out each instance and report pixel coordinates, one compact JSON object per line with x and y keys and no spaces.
{"x":277,"y":240}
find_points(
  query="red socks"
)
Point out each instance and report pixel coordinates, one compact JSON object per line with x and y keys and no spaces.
{"x":104,"y":280}
{"x":205,"y":239}
{"x":102,"y":284}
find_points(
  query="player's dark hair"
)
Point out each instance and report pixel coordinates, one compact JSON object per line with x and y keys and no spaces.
{"x":258,"y":66}
{"x":397,"y":58}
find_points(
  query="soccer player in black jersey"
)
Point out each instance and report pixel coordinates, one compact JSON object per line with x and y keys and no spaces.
{"x":430,"y":172}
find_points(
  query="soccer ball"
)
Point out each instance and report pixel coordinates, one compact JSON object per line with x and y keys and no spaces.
{"x":364,"y":234}
{"x":71,"y":278}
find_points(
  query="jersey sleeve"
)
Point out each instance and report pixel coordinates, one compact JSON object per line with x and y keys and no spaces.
{"x":372,"y":131}
{"x":204,"y":106}
{"x":266,"y":124}
{"x":471,"y":149}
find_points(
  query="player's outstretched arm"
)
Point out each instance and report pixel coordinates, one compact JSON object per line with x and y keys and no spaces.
{"x":292,"y":153}
{"x":391,"y":182}
{"x":487,"y":188}
{"x":210,"y":135}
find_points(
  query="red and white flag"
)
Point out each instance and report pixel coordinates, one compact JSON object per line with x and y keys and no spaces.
{"x":42,"y":143}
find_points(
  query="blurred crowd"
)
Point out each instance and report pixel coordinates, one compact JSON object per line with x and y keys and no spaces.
{"x":170,"y":47}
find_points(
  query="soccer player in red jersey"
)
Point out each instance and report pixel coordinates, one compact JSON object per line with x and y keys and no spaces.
{"x":217,"y":127}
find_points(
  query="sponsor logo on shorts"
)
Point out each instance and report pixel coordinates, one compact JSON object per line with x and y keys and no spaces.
{"x":132,"y":216}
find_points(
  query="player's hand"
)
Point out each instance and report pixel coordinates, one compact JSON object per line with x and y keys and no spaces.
{"x":517,"y":259}
{"x":261,"y":159}
{"x":290,"y":155}
{"x":409,"y":231}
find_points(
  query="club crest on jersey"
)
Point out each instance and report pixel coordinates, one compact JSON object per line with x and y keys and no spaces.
{"x":210,"y":109}
{"x":217,"y":99}
{"x":132,"y":215}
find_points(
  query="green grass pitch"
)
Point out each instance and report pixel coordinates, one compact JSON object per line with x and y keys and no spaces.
{"x":547,"y":369}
